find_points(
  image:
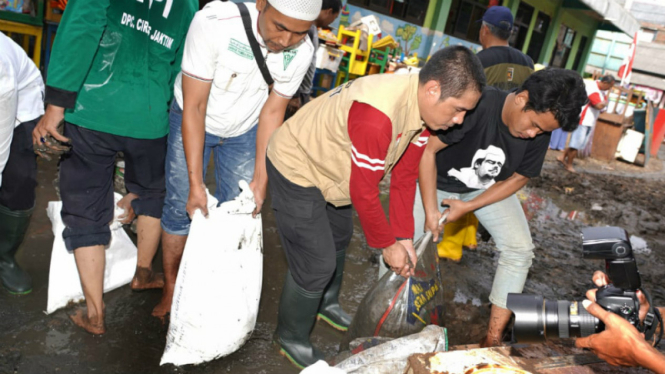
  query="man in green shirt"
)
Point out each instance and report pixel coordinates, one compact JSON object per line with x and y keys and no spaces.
{"x":111,"y":78}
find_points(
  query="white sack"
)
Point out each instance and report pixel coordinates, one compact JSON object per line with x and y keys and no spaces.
{"x":217,"y":292}
{"x":391,"y":357}
{"x":322,"y":367}
{"x":64,"y":283}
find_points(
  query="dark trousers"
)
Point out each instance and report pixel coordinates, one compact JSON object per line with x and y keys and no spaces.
{"x":86,"y":182}
{"x":311,"y":230}
{"x":19,"y":178}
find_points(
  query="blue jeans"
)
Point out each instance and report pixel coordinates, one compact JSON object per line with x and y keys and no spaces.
{"x":506,"y":221}
{"x":234,"y":161}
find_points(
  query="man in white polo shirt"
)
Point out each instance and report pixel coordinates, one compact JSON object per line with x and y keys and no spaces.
{"x":21,"y":106}
{"x":223,"y":95}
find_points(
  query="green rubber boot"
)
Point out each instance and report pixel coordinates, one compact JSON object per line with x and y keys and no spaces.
{"x":13,"y":225}
{"x":297,"y":313}
{"x":330,"y":310}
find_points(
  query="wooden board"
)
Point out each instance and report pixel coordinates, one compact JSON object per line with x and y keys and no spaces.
{"x":547,"y":358}
{"x":462,"y":362}
{"x":606,"y":138}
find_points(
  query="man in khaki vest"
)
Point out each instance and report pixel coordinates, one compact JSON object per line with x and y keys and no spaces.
{"x":333,"y":153}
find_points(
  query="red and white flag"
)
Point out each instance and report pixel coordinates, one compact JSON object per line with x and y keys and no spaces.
{"x":627,"y":65}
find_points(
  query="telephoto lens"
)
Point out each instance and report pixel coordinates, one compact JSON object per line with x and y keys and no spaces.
{"x":538,"y":319}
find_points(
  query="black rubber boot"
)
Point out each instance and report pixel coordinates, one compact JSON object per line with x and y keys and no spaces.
{"x":13,"y":225}
{"x":297,"y":314}
{"x":330,"y":310}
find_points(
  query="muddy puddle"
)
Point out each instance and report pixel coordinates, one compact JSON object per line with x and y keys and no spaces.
{"x":558,"y":205}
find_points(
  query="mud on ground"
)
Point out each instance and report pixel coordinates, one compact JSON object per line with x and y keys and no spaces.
{"x":558,"y":205}
{"x":32,"y":342}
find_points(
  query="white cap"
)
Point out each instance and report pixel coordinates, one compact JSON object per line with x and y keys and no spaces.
{"x":306,"y":10}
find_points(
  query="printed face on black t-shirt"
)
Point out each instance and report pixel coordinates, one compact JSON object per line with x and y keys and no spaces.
{"x":484,"y":150}
{"x":485,"y":167}
{"x":490,"y":167}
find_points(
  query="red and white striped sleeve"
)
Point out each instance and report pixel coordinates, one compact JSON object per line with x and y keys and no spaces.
{"x":370,"y":132}
{"x":403,"y":187}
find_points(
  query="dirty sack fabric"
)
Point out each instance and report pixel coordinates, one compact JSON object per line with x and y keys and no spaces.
{"x":322,"y":367}
{"x":64,"y":282}
{"x":391,"y":357}
{"x":217,"y":293}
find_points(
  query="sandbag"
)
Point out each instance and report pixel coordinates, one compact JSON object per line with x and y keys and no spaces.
{"x":218,"y":288}
{"x":64,"y":283}
{"x":396,"y":306}
{"x":321,"y":367}
{"x":391,"y":357}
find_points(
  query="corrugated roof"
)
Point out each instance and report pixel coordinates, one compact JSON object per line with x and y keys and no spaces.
{"x":653,"y":13}
{"x":615,"y":14}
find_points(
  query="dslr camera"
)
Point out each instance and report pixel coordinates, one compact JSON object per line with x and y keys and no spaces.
{"x":538,"y":319}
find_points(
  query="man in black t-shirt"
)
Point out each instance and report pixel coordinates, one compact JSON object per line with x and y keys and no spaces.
{"x":505,"y":67}
{"x":486,"y":166}
{"x":499,"y":147}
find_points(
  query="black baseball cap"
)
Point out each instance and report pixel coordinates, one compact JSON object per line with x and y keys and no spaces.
{"x":499,"y":16}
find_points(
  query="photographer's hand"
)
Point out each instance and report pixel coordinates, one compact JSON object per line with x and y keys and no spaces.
{"x":601,"y":279}
{"x":620,"y":344}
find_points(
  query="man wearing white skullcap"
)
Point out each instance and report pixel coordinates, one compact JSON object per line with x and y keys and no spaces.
{"x":224,"y":106}
{"x":298,"y":9}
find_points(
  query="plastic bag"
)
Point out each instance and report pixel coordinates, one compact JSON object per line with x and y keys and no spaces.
{"x":64,"y":283}
{"x":218,"y":289}
{"x":396,"y":306}
{"x":391,"y":357}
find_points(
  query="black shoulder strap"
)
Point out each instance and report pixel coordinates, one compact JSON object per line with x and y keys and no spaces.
{"x":247,"y":21}
{"x":652,"y":321}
